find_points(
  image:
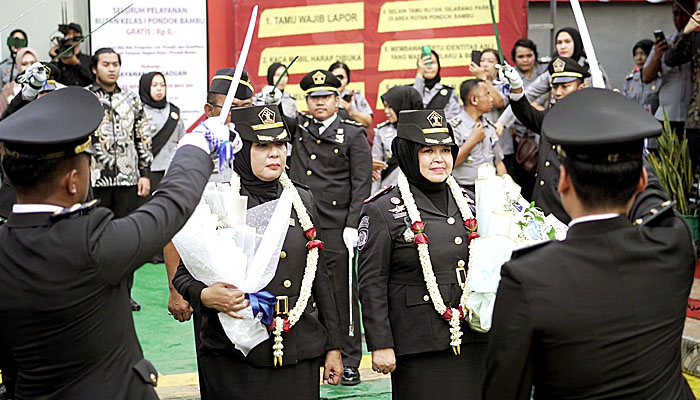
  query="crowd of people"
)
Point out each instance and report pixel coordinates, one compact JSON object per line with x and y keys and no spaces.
{"x":365,"y":198}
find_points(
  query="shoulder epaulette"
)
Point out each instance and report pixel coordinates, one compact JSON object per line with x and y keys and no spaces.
{"x":76,"y":208}
{"x":306,"y":115}
{"x":654,"y":213}
{"x":383,"y":124}
{"x":525,"y":250}
{"x":299,"y":184}
{"x":379,"y":193}
{"x":291,"y":96}
{"x":630,"y":75}
{"x":352,"y":122}
{"x":448,"y":87}
{"x":455,"y":122}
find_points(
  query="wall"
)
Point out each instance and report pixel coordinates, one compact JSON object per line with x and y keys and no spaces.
{"x":41,"y":22}
{"x":614,"y":28}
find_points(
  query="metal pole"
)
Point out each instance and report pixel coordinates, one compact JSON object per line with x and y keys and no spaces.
{"x":552,"y":20}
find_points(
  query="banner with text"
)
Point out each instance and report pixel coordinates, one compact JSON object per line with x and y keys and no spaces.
{"x":380,"y":41}
{"x":155,"y":35}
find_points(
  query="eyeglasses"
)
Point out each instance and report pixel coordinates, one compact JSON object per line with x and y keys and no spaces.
{"x":341,"y":76}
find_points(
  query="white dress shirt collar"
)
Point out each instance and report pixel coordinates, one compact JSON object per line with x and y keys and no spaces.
{"x":35,"y":208}
{"x":593,"y":217}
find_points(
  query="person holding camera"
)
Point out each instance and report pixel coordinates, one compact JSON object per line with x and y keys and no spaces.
{"x":8,"y":67}
{"x":686,"y":48}
{"x":674,"y":86}
{"x":353,"y":104}
{"x":74,"y":65}
{"x":436,"y":96}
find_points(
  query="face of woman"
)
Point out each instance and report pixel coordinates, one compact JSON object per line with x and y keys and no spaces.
{"x":430,"y":71}
{"x":435,"y":162}
{"x":267,"y":160}
{"x":565,"y":45}
{"x":524,"y":58}
{"x":27,"y":60}
{"x":283,"y":82}
{"x":488,"y":62}
{"x":390,"y":114}
{"x":158,"y":88}
{"x":640,"y":57}
{"x":342,"y":77}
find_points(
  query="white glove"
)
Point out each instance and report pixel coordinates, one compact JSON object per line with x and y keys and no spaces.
{"x":33,"y":80}
{"x":350,"y":237}
{"x":267,"y":97}
{"x":512,"y":75}
{"x":212,"y":136}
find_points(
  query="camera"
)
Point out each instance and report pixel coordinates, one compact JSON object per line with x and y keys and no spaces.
{"x":63,"y":43}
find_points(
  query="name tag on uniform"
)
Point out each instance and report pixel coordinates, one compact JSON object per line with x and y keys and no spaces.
{"x":340,"y":136}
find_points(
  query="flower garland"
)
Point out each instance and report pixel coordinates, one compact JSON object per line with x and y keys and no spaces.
{"x":452,"y":315}
{"x":284,"y":323}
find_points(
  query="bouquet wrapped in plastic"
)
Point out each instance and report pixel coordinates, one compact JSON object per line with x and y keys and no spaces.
{"x":224,"y":242}
{"x":506,"y":222}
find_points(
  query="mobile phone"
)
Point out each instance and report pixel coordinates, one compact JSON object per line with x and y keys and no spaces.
{"x":659,"y":35}
{"x":425,"y":52}
{"x":348,"y":97}
{"x":476,"y":57}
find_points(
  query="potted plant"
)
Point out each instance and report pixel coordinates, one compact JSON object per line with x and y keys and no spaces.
{"x":673,"y":167}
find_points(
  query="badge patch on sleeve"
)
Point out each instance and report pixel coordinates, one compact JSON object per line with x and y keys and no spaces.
{"x":363,"y":232}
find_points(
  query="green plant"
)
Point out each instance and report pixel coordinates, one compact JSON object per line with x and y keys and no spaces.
{"x":672,"y":166}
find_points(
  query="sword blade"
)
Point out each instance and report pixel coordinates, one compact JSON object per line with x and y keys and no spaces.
{"x":22,"y":15}
{"x":596,"y":73}
{"x":239,"y":67}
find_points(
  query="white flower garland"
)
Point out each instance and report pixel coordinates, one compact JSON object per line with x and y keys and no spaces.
{"x":309,"y":273}
{"x":454,"y":314}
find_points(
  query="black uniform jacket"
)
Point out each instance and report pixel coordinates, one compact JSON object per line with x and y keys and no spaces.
{"x":598,"y":315}
{"x":545,"y":193}
{"x":336,"y":165}
{"x":65,"y":312}
{"x":316,"y":332}
{"x":396,"y":309}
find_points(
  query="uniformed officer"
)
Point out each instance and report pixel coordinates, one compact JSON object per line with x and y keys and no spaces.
{"x":567,"y":77}
{"x":384,"y":165}
{"x":333,"y":158}
{"x":216,"y":95}
{"x":644,"y":94}
{"x":266,"y":97}
{"x":600,"y":314}
{"x":353,"y":104}
{"x":65,"y":317}
{"x":227,"y":372}
{"x":436,"y":96}
{"x":405,"y":334}
{"x":476,"y":137}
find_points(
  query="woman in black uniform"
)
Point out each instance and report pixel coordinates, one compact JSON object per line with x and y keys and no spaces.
{"x":309,"y":328}
{"x":413,"y":259}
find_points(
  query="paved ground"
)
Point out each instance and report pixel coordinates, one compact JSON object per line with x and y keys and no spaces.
{"x":170,"y":346}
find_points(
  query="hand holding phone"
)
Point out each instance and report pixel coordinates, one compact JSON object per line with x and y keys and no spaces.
{"x":476,"y":57}
{"x":426,"y":52}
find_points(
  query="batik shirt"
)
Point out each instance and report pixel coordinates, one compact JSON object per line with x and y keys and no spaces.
{"x":122,"y":146}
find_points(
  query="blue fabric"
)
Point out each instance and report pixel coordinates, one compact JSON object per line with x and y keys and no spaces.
{"x":263,"y":302}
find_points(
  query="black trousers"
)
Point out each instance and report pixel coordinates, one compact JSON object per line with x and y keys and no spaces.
{"x":440,"y":375}
{"x":197,"y":323}
{"x":337,"y":263}
{"x":694,"y":146}
{"x":122,"y":200}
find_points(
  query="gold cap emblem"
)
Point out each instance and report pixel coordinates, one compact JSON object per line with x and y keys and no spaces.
{"x":559,"y":65}
{"x":435,"y":119}
{"x":319,"y":78}
{"x":267,"y":116}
